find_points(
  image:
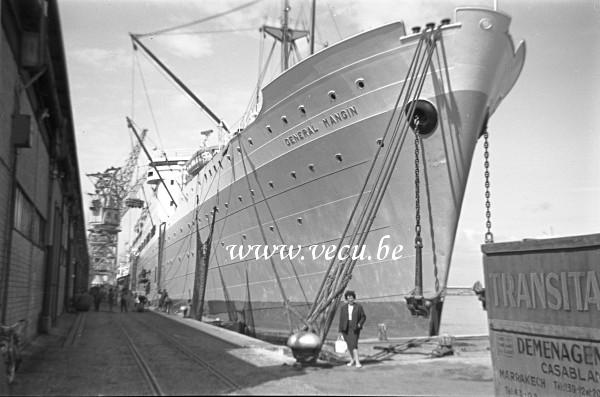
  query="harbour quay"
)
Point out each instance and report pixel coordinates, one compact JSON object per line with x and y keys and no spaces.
{"x":154,"y":353}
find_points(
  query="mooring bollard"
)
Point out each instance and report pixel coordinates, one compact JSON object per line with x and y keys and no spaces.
{"x":382,"y":332}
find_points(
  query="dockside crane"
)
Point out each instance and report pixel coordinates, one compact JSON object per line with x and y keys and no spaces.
{"x":110,"y":202}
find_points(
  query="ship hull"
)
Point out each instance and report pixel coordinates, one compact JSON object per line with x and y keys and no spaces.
{"x":294,"y":175}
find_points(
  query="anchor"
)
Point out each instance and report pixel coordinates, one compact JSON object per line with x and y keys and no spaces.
{"x":416,"y":302}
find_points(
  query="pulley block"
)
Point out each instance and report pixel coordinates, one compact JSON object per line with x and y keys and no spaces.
{"x":418,"y":305}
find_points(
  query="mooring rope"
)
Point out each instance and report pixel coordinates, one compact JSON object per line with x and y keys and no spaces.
{"x":335,"y":281}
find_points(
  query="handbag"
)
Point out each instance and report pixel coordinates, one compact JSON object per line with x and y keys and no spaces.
{"x":340,"y":345}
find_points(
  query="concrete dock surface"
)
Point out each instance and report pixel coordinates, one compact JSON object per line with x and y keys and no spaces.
{"x":400,"y":367}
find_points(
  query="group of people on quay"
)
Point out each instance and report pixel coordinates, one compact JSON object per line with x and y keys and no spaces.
{"x":111,"y":295}
{"x":126,"y":299}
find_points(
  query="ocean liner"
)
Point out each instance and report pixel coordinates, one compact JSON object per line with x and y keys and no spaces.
{"x":350,"y":176}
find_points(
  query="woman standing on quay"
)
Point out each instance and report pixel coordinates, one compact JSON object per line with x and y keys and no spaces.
{"x":352,"y":318}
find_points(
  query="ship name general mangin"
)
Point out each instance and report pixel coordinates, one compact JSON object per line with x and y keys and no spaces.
{"x":328,"y":122}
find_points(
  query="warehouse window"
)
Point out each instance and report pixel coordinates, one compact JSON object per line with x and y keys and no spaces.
{"x":28,"y":221}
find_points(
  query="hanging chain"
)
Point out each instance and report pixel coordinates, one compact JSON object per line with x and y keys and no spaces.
{"x":418,"y":240}
{"x":489,"y":237}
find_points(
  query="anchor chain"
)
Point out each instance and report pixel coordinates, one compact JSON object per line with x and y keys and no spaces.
{"x":478,"y":288}
{"x":418,"y":239}
{"x":416,"y":303}
{"x":489,"y":237}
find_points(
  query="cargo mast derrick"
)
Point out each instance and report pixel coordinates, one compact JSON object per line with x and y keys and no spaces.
{"x":109,"y":205}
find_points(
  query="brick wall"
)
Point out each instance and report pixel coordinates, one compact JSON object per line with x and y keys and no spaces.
{"x":24,"y":259}
{"x":26,"y":262}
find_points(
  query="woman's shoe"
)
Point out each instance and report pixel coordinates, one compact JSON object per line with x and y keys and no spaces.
{"x":351,"y":363}
{"x":358,"y":365}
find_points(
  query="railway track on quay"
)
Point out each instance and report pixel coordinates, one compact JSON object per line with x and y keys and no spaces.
{"x":143,"y":353}
{"x":174,"y":360}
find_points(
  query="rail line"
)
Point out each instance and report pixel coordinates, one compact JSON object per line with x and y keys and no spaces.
{"x":195,"y":357}
{"x":173,"y":344}
{"x":147,"y":373}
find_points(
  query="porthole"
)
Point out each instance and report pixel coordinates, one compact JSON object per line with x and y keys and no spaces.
{"x":360,"y":83}
{"x":332,"y":95}
{"x":302,"y":110}
{"x":338,"y":157}
{"x":269,"y":129}
{"x":284,"y":119}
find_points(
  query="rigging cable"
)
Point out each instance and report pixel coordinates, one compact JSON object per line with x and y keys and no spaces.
{"x":342,"y":273}
{"x":214,"y":252}
{"x":148,"y":101}
{"x":286,"y":302}
{"x":211,"y":31}
{"x":152,"y":115}
{"x":275,"y":224}
{"x":185,"y":25}
{"x":325,"y":283}
{"x":334,"y":22}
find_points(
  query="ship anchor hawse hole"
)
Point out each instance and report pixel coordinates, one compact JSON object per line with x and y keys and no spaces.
{"x":425,"y":113}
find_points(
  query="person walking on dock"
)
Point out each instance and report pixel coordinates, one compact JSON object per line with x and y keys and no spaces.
{"x":111,"y":299}
{"x":97,"y":294}
{"x":161,"y":299}
{"x":352,"y":319}
{"x":168,"y":303}
{"x":124,"y":298}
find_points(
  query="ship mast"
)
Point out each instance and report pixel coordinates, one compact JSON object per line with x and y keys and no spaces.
{"x":313,"y":19}
{"x":286,"y":35}
{"x":285,"y":54}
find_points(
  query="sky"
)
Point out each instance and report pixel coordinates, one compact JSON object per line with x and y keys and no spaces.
{"x":544,"y":137}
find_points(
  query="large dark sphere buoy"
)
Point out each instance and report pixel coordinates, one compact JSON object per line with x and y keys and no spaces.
{"x":305,"y":346}
{"x":427,"y":114}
